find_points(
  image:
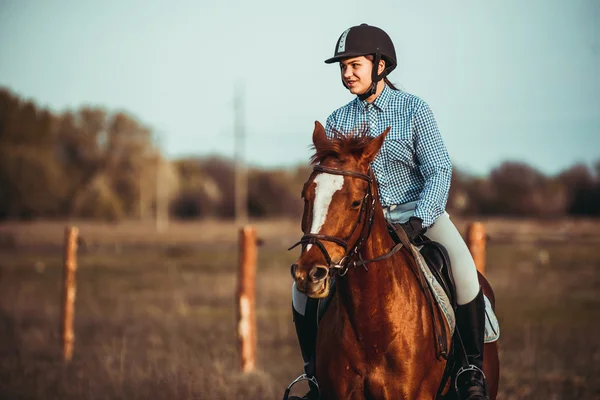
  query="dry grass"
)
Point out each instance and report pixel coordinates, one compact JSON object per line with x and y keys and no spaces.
{"x":155,"y":312}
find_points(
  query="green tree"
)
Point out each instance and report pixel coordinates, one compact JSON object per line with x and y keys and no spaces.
{"x":29,"y":174}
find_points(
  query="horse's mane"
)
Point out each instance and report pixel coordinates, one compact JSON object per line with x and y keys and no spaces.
{"x":341,"y":145}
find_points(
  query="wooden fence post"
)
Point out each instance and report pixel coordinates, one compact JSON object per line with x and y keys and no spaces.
{"x":68,"y":306}
{"x":246,"y":318}
{"x":476,"y":241}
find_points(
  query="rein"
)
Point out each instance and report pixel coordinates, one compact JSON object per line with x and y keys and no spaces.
{"x":369,"y":214}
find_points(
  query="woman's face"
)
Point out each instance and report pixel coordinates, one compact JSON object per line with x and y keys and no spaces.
{"x":356,"y":73}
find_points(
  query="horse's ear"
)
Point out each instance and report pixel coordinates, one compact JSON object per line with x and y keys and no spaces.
{"x":319,"y":135}
{"x":373,"y":147}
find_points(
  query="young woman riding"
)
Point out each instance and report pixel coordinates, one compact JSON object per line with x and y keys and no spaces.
{"x":413,"y":172}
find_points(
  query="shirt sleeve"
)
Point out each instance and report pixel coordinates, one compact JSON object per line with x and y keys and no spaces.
{"x":434,"y":163}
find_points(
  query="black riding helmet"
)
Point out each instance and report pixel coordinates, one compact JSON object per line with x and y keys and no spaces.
{"x":363,"y":40}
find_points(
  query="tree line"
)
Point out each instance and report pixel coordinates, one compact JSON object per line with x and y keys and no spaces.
{"x":96,"y":164}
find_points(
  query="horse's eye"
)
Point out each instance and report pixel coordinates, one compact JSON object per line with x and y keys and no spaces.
{"x":356,"y":203}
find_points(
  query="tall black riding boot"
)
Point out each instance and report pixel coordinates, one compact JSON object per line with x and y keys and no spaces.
{"x":306,"y":329}
{"x":470,"y":320}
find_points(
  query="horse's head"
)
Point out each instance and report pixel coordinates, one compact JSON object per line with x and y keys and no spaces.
{"x":340,"y":198}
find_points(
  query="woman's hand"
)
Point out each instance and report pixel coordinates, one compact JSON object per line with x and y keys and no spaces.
{"x":413,"y":228}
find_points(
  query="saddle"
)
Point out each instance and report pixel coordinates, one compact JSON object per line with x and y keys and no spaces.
{"x":437,"y":259}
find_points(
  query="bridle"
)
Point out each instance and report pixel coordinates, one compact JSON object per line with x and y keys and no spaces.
{"x":367,"y":212}
{"x":352,"y":257}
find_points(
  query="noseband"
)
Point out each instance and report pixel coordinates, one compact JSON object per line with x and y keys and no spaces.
{"x":367,"y":209}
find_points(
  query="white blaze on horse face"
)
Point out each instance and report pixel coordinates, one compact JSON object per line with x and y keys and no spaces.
{"x":326,"y":186}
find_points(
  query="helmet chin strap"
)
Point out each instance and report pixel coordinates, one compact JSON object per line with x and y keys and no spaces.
{"x":370,"y":92}
{"x":375,"y":78}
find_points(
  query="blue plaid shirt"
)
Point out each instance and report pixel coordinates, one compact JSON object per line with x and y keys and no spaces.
{"x":413,"y":164}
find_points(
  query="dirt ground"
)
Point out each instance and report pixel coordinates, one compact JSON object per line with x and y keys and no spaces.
{"x":155,"y":313}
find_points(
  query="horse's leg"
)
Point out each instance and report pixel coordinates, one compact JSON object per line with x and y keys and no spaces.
{"x":385,"y":387}
{"x":338,"y":357}
{"x":394,"y":387}
{"x":491,"y":362}
{"x":340,"y":378}
{"x":376,"y":388}
{"x":349,"y":387}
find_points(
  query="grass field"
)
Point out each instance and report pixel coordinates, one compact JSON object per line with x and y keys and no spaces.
{"x":155,"y":315}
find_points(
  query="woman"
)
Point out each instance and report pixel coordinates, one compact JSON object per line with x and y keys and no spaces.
{"x":413,"y":172}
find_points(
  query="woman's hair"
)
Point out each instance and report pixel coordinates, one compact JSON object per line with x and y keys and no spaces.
{"x":390,"y":84}
{"x":386,"y":80}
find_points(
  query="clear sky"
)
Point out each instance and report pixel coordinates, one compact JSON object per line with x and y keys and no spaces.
{"x":507,"y":80}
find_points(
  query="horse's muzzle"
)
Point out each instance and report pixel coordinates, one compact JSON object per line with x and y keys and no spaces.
{"x":313,"y":281}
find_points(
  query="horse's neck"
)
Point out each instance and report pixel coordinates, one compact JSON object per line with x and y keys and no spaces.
{"x":381,"y":280}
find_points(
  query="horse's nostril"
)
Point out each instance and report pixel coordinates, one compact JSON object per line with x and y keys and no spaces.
{"x":318,"y":273}
{"x":293,"y":270}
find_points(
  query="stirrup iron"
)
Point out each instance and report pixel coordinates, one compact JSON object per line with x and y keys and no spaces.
{"x":462,"y":370}
{"x":302,"y":377}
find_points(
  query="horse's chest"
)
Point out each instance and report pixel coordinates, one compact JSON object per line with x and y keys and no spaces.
{"x":348,"y":347}
{"x":360,"y":366}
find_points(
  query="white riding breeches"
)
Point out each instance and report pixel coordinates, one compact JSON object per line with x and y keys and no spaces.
{"x":442,"y":231}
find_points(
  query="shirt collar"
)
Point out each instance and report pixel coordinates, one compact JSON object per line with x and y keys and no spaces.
{"x":380,"y":102}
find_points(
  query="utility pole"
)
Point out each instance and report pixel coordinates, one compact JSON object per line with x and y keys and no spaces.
{"x":241,"y":177}
{"x":162,"y":206}
{"x":143,"y":205}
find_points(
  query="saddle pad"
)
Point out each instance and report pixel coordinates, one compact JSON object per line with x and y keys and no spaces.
{"x":492,"y":328}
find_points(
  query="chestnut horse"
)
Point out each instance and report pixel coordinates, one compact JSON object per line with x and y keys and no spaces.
{"x":376,"y":340}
